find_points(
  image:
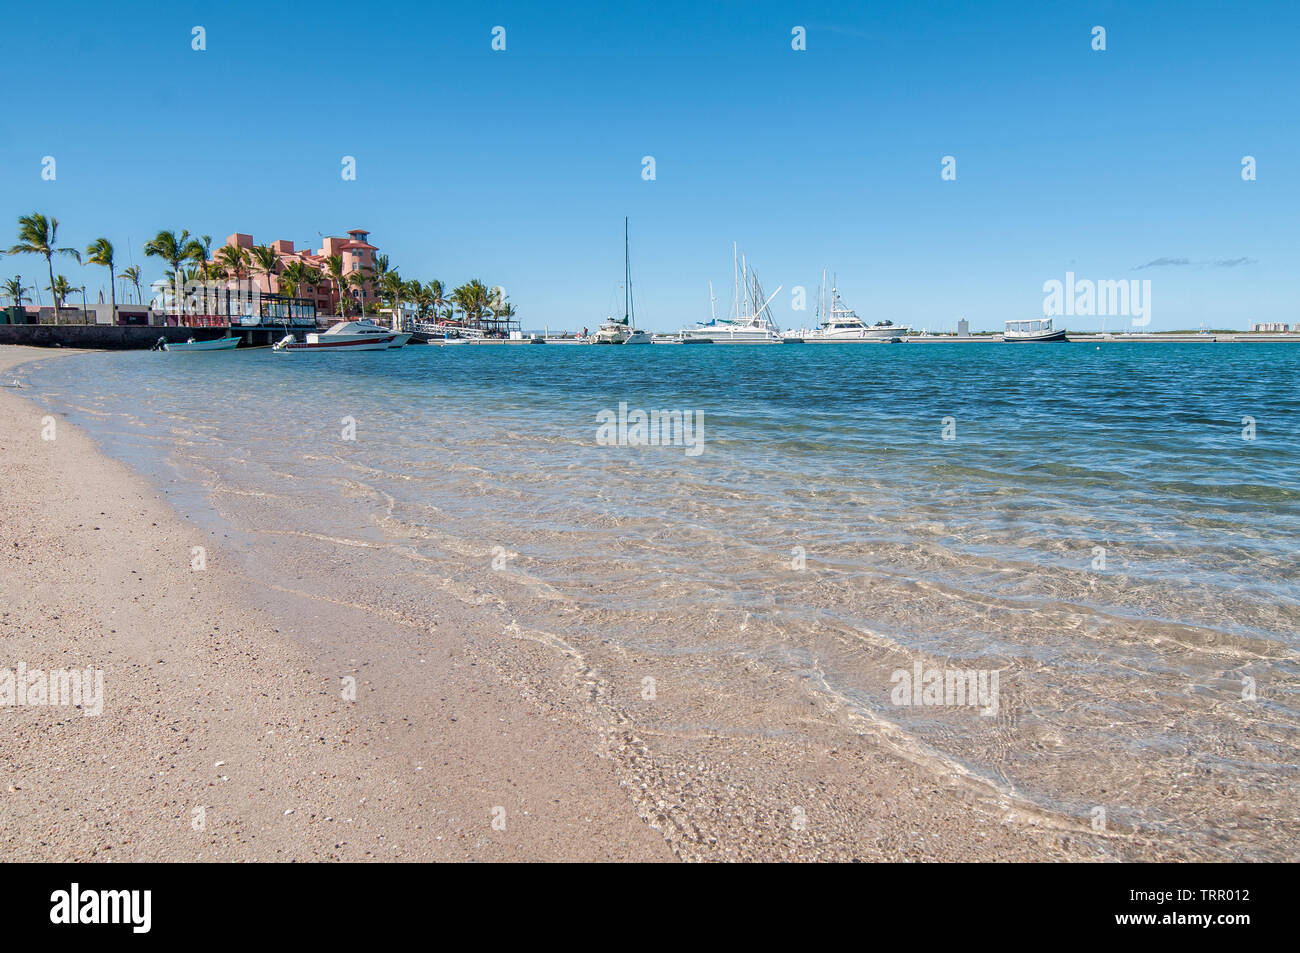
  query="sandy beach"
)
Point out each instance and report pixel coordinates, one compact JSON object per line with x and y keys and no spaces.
{"x":226,"y":734}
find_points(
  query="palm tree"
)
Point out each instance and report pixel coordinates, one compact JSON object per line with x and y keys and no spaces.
{"x":377,"y":272}
{"x":498,"y":304}
{"x":312,"y":278}
{"x":202,"y":253}
{"x":357,"y":280}
{"x":472,"y":299}
{"x":132,"y":275}
{"x":15,"y":292}
{"x":60,"y":289}
{"x":413,"y":292}
{"x":440,"y":301}
{"x":38,"y":235}
{"x":334,"y":267}
{"x":174,"y":249}
{"x":292,"y":278}
{"x":100,"y":252}
{"x":267,"y":261}
{"x":423,"y":300}
{"x":391,"y":290}
{"x":234,"y":261}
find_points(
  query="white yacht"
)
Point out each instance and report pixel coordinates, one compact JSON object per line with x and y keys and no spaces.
{"x":841,"y":325}
{"x":362,"y":335}
{"x":625,"y":331}
{"x":749,"y":322}
{"x":613,"y":331}
{"x":1035,"y":329}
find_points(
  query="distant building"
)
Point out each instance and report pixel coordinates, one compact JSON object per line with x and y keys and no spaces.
{"x":963,"y":328}
{"x":1273,"y":327}
{"x":356,"y":251}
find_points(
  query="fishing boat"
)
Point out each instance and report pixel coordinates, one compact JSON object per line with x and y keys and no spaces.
{"x":612,"y":330}
{"x":219,"y":344}
{"x":1036,"y":330}
{"x":749,"y":321}
{"x":348,"y":336}
{"x":841,"y":325}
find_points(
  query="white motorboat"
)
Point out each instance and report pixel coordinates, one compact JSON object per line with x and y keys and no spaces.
{"x":612,"y":330}
{"x":219,"y":344}
{"x":1035,"y":330}
{"x":841,"y":325}
{"x":749,"y":322}
{"x":348,"y":336}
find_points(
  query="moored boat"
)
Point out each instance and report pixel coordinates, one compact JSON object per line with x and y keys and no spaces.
{"x":750,"y":322}
{"x":841,"y":325}
{"x":348,"y":336}
{"x":218,"y":344}
{"x":612,"y":330}
{"x":1034,"y":330}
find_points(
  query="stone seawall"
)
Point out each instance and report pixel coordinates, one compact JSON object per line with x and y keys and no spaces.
{"x":110,"y":337}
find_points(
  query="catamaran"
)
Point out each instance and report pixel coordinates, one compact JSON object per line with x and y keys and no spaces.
{"x":841,"y":325}
{"x":362,"y":335}
{"x":1035,"y":329}
{"x":613,"y":331}
{"x":749,"y":322}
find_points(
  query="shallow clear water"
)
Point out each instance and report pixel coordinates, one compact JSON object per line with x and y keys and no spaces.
{"x":1097,"y":531}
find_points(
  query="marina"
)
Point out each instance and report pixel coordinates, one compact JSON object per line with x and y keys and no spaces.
{"x":228,"y":314}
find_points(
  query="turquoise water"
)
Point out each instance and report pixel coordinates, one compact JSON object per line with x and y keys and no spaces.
{"x":1098,"y":531}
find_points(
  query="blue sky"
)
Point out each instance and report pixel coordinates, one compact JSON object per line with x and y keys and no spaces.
{"x":517,"y":167}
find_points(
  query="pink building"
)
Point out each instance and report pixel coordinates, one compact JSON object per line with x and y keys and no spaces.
{"x":356,"y":251}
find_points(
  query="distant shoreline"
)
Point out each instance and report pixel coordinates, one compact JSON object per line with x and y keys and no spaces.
{"x":114,"y":337}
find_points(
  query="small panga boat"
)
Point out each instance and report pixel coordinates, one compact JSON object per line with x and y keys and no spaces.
{"x":218,"y":344}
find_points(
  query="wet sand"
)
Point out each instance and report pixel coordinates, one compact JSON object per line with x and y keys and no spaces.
{"x":225,"y":693}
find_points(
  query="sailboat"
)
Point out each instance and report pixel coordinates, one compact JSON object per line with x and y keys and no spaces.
{"x":749,"y":322}
{"x":613,"y":331}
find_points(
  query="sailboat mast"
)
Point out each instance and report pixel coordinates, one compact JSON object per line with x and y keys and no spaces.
{"x":744,"y":275}
{"x":627,"y":276}
{"x":735,"y":281}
